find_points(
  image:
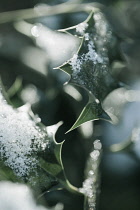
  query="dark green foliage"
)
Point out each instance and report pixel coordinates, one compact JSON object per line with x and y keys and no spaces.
{"x":90,"y":67}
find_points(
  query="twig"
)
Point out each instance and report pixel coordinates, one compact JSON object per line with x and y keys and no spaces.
{"x":47,"y":10}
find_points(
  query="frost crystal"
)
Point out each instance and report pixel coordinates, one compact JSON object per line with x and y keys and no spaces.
{"x":86,"y":36}
{"x":20,"y":139}
{"x":91,"y":55}
{"x":81,"y":28}
{"x":76,"y":63}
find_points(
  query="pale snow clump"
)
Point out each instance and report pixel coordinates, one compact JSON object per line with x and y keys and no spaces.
{"x":19,"y":197}
{"x":20,"y":139}
{"x":91,"y":55}
{"x":81,"y":28}
{"x":91,"y":183}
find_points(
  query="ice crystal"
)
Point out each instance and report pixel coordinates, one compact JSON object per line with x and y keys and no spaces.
{"x":91,"y":55}
{"x":20,"y":139}
{"x":76,"y":63}
{"x":86,"y":35}
{"x":81,"y":28}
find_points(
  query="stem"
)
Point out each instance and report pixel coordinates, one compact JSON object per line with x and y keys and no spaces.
{"x":70,"y":187}
{"x":85,"y":202}
{"x":15,"y":87}
{"x":125,"y":147}
{"x":120,"y":147}
{"x":42,"y":11}
{"x":4,"y":93}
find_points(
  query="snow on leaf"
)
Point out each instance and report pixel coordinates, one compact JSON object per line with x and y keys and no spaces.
{"x":89,"y":68}
{"x":29,"y":148}
{"x":20,"y":138}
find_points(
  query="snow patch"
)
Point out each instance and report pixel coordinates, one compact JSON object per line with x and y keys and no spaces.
{"x":19,"y":197}
{"x":81,"y":28}
{"x":20,"y":139}
{"x":91,"y":183}
{"x":77,"y":62}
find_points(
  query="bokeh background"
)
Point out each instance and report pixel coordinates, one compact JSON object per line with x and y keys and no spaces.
{"x":29,"y":50}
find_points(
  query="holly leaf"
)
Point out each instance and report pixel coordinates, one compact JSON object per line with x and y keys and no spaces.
{"x":92,"y":110}
{"x":89,"y":68}
{"x":29,"y":152}
{"x":52,"y":162}
{"x":50,"y":159}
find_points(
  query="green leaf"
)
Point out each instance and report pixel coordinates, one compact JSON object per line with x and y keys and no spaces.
{"x":51,"y":160}
{"x":89,"y":68}
{"x":39,"y":161}
{"x":92,"y":111}
{"x":6,"y":173}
